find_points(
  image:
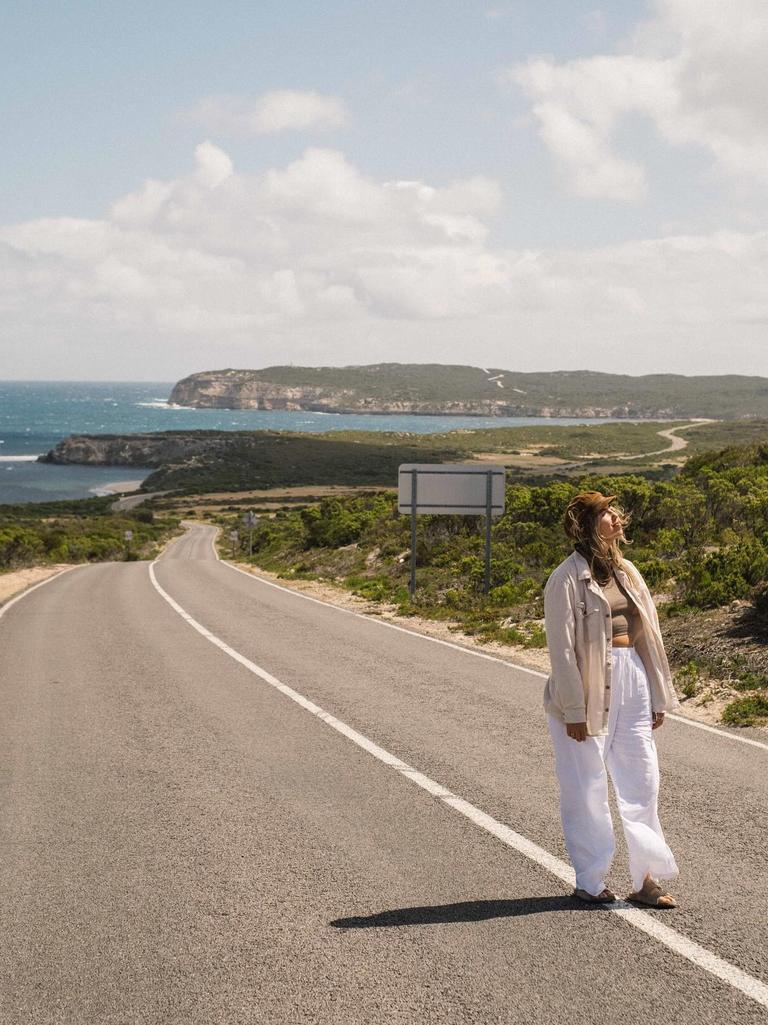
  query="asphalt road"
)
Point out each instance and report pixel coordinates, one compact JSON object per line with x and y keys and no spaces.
{"x":181,"y":842}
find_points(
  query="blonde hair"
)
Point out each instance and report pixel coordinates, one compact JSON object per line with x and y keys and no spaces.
{"x":601,"y":554}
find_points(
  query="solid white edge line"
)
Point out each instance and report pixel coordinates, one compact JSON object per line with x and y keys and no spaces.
{"x":458,"y":647}
{"x":42,"y":583}
{"x":383,"y":622}
{"x":361,"y":615}
{"x":716,"y":731}
{"x":682,"y":945}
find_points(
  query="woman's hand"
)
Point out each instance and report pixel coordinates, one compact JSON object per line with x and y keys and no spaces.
{"x":658,"y":720}
{"x":577,"y":730}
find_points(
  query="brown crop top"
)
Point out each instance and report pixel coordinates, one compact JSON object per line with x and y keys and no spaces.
{"x":625,"y":619}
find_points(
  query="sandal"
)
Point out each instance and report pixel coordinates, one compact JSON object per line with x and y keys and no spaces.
{"x":605,"y":896}
{"x":653,"y":896}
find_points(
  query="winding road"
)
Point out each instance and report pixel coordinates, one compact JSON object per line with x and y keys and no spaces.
{"x":225,"y":802}
{"x":676,"y":443}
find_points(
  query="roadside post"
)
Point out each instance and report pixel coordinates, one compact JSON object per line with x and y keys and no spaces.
{"x":128,"y":536}
{"x":464,"y":489}
{"x":234,"y":537}
{"x":250,"y":519}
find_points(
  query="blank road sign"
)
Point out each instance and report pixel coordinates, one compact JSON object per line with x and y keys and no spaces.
{"x":451,"y":488}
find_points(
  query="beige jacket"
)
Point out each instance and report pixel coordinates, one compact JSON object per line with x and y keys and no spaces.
{"x":577,"y":618}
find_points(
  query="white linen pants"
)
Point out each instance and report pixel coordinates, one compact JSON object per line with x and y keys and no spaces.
{"x":628,"y":751}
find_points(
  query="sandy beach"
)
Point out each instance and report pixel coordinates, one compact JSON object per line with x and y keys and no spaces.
{"x":120,"y":487}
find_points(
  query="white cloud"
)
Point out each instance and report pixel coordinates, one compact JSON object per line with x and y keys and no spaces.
{"x":283,"y":110}
{"x":213,"y":165}
{"x":696,"y":70}
{"x":317,"y":262}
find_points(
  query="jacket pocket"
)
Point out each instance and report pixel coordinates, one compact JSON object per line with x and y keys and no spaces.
{"x":591,"y":617}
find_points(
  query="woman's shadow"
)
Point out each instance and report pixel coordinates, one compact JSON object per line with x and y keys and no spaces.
{"x":465,"y":911}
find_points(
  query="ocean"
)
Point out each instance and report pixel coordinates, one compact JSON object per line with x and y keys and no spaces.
{"x":35,"y":415}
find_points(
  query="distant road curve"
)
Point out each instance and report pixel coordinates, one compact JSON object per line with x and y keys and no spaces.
{"x":677,"y":443}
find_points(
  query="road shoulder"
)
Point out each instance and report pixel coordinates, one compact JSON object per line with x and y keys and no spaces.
{"x":18,"y":580}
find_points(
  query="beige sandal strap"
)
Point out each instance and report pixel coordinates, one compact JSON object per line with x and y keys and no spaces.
{"x":654,"y":892}
{"x":651,"y":895}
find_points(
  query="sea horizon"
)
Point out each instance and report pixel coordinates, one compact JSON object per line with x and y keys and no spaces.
{"x":36,"y":414}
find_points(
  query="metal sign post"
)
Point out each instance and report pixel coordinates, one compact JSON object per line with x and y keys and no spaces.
{"x":250,"y":519}
{"x":414,"y":506}
{"x":488,"y":511}
{"x":465,"y":489}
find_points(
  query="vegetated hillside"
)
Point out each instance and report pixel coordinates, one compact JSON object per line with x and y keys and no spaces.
{"x":702,"y":539}
{"x":437,"y":388}
{"x":77,"y":531}
{"x":240,"y":460}
{"x":198,"y":461}
{"x":730,"y":461}
{"x":269,"y":460}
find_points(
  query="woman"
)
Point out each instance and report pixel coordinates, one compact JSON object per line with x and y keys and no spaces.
{"x":609,"y":688}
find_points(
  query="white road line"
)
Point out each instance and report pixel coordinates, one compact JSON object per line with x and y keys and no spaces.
{"x":457,"y":647}
{"x":368,"y":619}
{"x":29,"y":590}
{"x":716,"y":731}
{"x":383,"y":622}
{"x":682,"y":945}
{"x":468,"y":651}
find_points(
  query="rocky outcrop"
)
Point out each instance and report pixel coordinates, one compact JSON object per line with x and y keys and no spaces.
{"x":241,"y":389}
{"x":145,"y":450}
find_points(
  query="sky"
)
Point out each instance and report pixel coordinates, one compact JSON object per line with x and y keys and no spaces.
{"x":528,"y":185}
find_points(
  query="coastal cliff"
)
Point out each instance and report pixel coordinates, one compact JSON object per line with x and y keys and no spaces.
{"x":439,"y":390}
{"x":410,"y":394}
{"x":153,"y":450}
{"x":247,"y":389}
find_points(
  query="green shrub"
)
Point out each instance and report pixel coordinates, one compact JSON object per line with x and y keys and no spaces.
{"x":723,"y":576}
{"x":537,"y":637}
{"x":687,"y":679}
{"x":512,"y":593}
{"x":748,"y":711}
{"x":372,"y":588}
{"x":19,"y":546}
{"x":74,"y":531}
{"x":751,"y":681}
{"x":508,"y":635}
{"x":336,"y":522}
{"x":142,"y":515}
{"x":759,"y":598}
{"x":656,"y":572}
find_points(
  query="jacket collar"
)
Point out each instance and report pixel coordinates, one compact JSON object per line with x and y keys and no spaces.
{"x":584,"y":572}
{"x":582,"y":566}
